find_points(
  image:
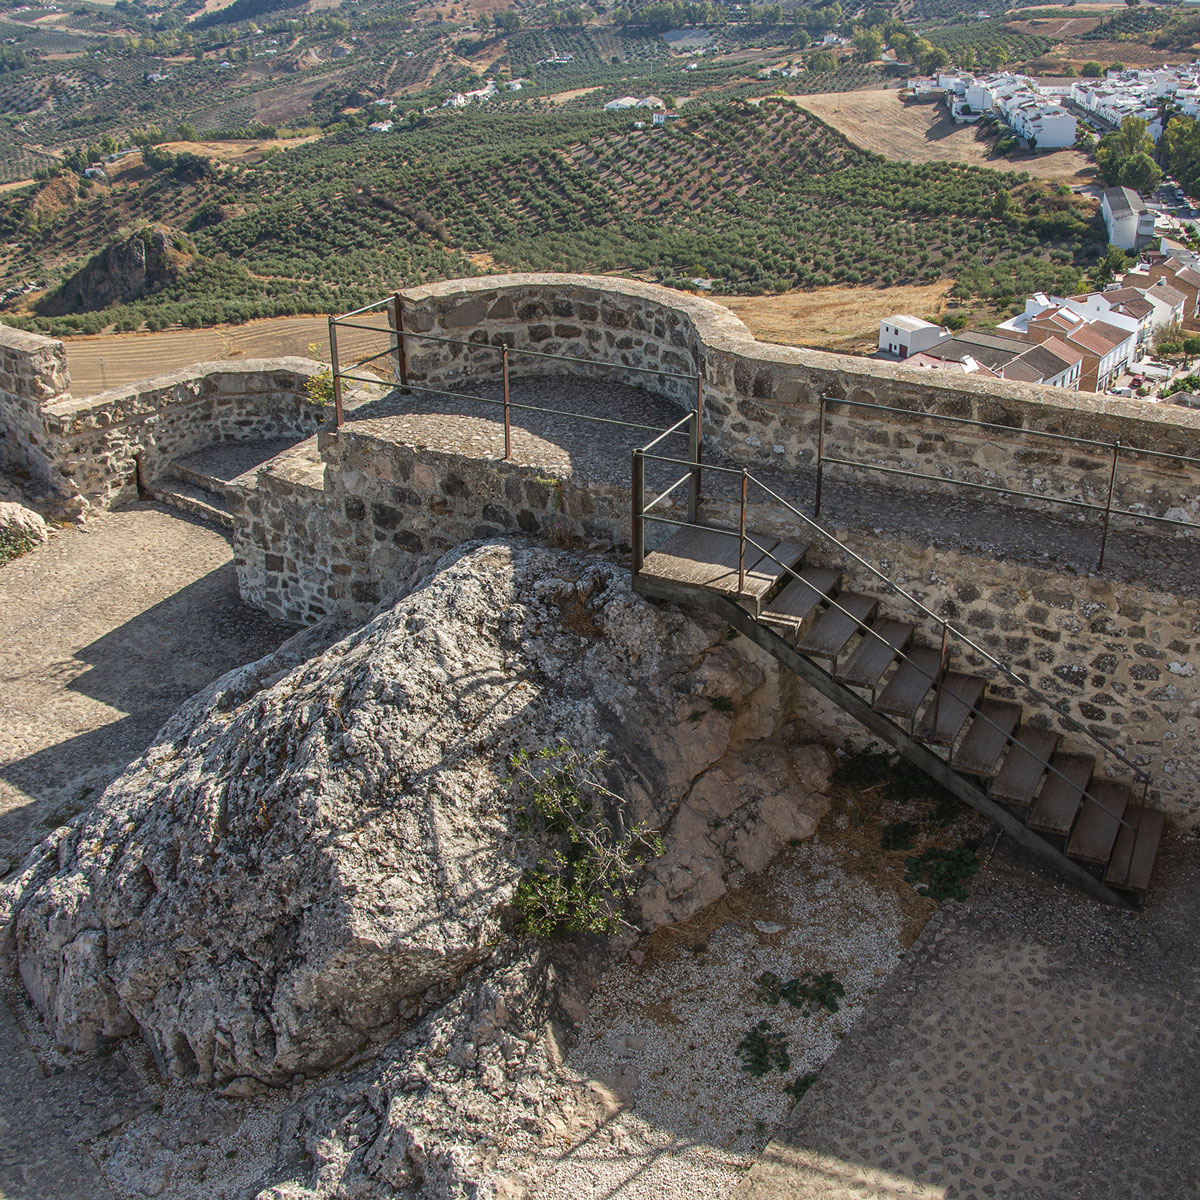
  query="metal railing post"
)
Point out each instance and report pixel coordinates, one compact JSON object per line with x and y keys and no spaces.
{"x":507,"y":421}
{"x":638,"y":523}
{"x":1112,"y":481}
{"x":401,"y":349}
{"x":696,"y":443}
{"x":941,"y":675}
{"x":742,"y":535}
{"x":337,"y":378}
{"x":820,"y":456}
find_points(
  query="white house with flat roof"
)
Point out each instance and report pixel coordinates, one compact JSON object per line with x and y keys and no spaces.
{"x":903,"y":335}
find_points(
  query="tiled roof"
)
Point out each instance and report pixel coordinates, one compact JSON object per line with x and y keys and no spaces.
{"x":1023,"y":371}
{"x":1167,"y":294}
{"x":1068,"y":355}
{"x":1137,"y":307}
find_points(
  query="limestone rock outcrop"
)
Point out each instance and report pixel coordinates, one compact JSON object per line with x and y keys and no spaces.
{"x":316,"y":849}
{"x":142,"y":264}
{"x":20,"y":527}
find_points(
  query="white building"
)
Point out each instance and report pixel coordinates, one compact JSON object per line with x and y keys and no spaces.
{"x":1129,"y":222}
{"x":903,"y":335}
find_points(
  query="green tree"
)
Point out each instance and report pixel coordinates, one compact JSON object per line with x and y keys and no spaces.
{"x":1115,"y":262}
{"x":1091,"y":69}
{"x":868,"y":44}
{"x":1141,"y":173}
{"x":821,"y":61}
{"x":1181,"y":141}
{"x":1116,"y":149}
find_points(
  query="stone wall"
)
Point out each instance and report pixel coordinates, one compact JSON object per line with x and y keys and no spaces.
{"x":762,"y":402}
{"x":33,"y":375}
{"x":339,"y":524}
{"x":94,"y":451}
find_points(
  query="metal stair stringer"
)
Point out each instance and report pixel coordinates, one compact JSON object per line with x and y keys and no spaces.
{"x":888,"y":731}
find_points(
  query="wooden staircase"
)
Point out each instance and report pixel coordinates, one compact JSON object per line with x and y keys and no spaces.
{"x":1045,"y":794}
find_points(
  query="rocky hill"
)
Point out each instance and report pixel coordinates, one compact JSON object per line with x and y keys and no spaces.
{"x":314,"y":853}
{"x":140,"y":265}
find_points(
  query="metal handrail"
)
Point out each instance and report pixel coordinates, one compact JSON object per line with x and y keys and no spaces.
{"x":1113,"y":449}
{"x":935,"y":680}
{"x":1140,"y":774}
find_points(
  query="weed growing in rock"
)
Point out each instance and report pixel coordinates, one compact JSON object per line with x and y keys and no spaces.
{"x":763,"y":1049}
{"x":319,"y":387}
{"x":939,"y":873}
{"x":721,"y":704}
{"x":587,"y":859}
{"x":808,"y":993}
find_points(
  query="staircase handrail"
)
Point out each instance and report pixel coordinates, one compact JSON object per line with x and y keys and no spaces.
{"x":1102,"y":742}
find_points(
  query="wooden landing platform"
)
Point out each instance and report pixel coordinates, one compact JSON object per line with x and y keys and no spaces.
{"x":708,"y":559}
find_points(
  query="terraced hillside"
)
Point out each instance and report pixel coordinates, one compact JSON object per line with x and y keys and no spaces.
{"x":758,"y":198}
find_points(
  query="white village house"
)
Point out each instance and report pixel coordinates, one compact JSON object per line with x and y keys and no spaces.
{"x":903,"y":335}
{"x":1129,"y":222}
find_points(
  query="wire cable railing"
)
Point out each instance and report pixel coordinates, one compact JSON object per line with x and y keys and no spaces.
{"x":936,"y":680}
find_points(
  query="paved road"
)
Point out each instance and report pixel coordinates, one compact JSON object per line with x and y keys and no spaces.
{"x":1034,"y":1045}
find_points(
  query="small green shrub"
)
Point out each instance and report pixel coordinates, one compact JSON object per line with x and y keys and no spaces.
{"x":800,"y":1085}
{"x":319,"y":387}
{"x":809,"y":992}
{"x":721,"y":704}
{"x":14,"y":543}
{"x":900,"y":835}
{"x":939,"y":873}
{"x":587,"y":860}
{"x":763,"y":1049}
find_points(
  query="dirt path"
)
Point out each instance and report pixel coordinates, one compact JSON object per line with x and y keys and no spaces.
{"x":882,"y":123}
{"x":104,"y":631}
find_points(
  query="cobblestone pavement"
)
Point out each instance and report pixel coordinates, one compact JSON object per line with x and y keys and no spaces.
{"x":104,"y":632}
{"x":1034,"y":1045}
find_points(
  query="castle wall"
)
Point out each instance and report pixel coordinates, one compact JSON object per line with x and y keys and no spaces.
{"x":762,"y":402}
{"x":93,"y":450}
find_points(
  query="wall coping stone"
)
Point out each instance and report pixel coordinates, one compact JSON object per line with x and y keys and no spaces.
{"x":719,"y":330}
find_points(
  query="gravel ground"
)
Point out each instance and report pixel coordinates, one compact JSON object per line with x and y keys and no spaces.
{"x":661,"y":1036}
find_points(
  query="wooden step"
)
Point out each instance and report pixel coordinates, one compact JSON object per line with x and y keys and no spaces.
{"x":835,"y":627}
{"x":772,"y":571}
{"x":985,"y":740}
{"x":909,"y":686}
{"x":960,"y":694}
{"x":1096,"y":830}
{"x":1024,"y":765}
{"x":875,"y":653}
{"x":1057,"y":802}
{"x":794,"y":605}
{"x":1133,"y":856}
{"x":704,"y":558}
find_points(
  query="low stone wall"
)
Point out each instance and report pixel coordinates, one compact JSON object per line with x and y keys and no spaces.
{"x":103,"y":444}
{"x":339,"y":524}
{"x":762,"y":402}
{"x":93,"y":451}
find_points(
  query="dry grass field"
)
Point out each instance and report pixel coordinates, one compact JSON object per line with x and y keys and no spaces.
{"x":835,"y":318}
{"x":113,"y":360}
{"x":881,"y":122}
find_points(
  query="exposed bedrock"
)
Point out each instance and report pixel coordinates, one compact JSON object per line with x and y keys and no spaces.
{"x":318,"y":846}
